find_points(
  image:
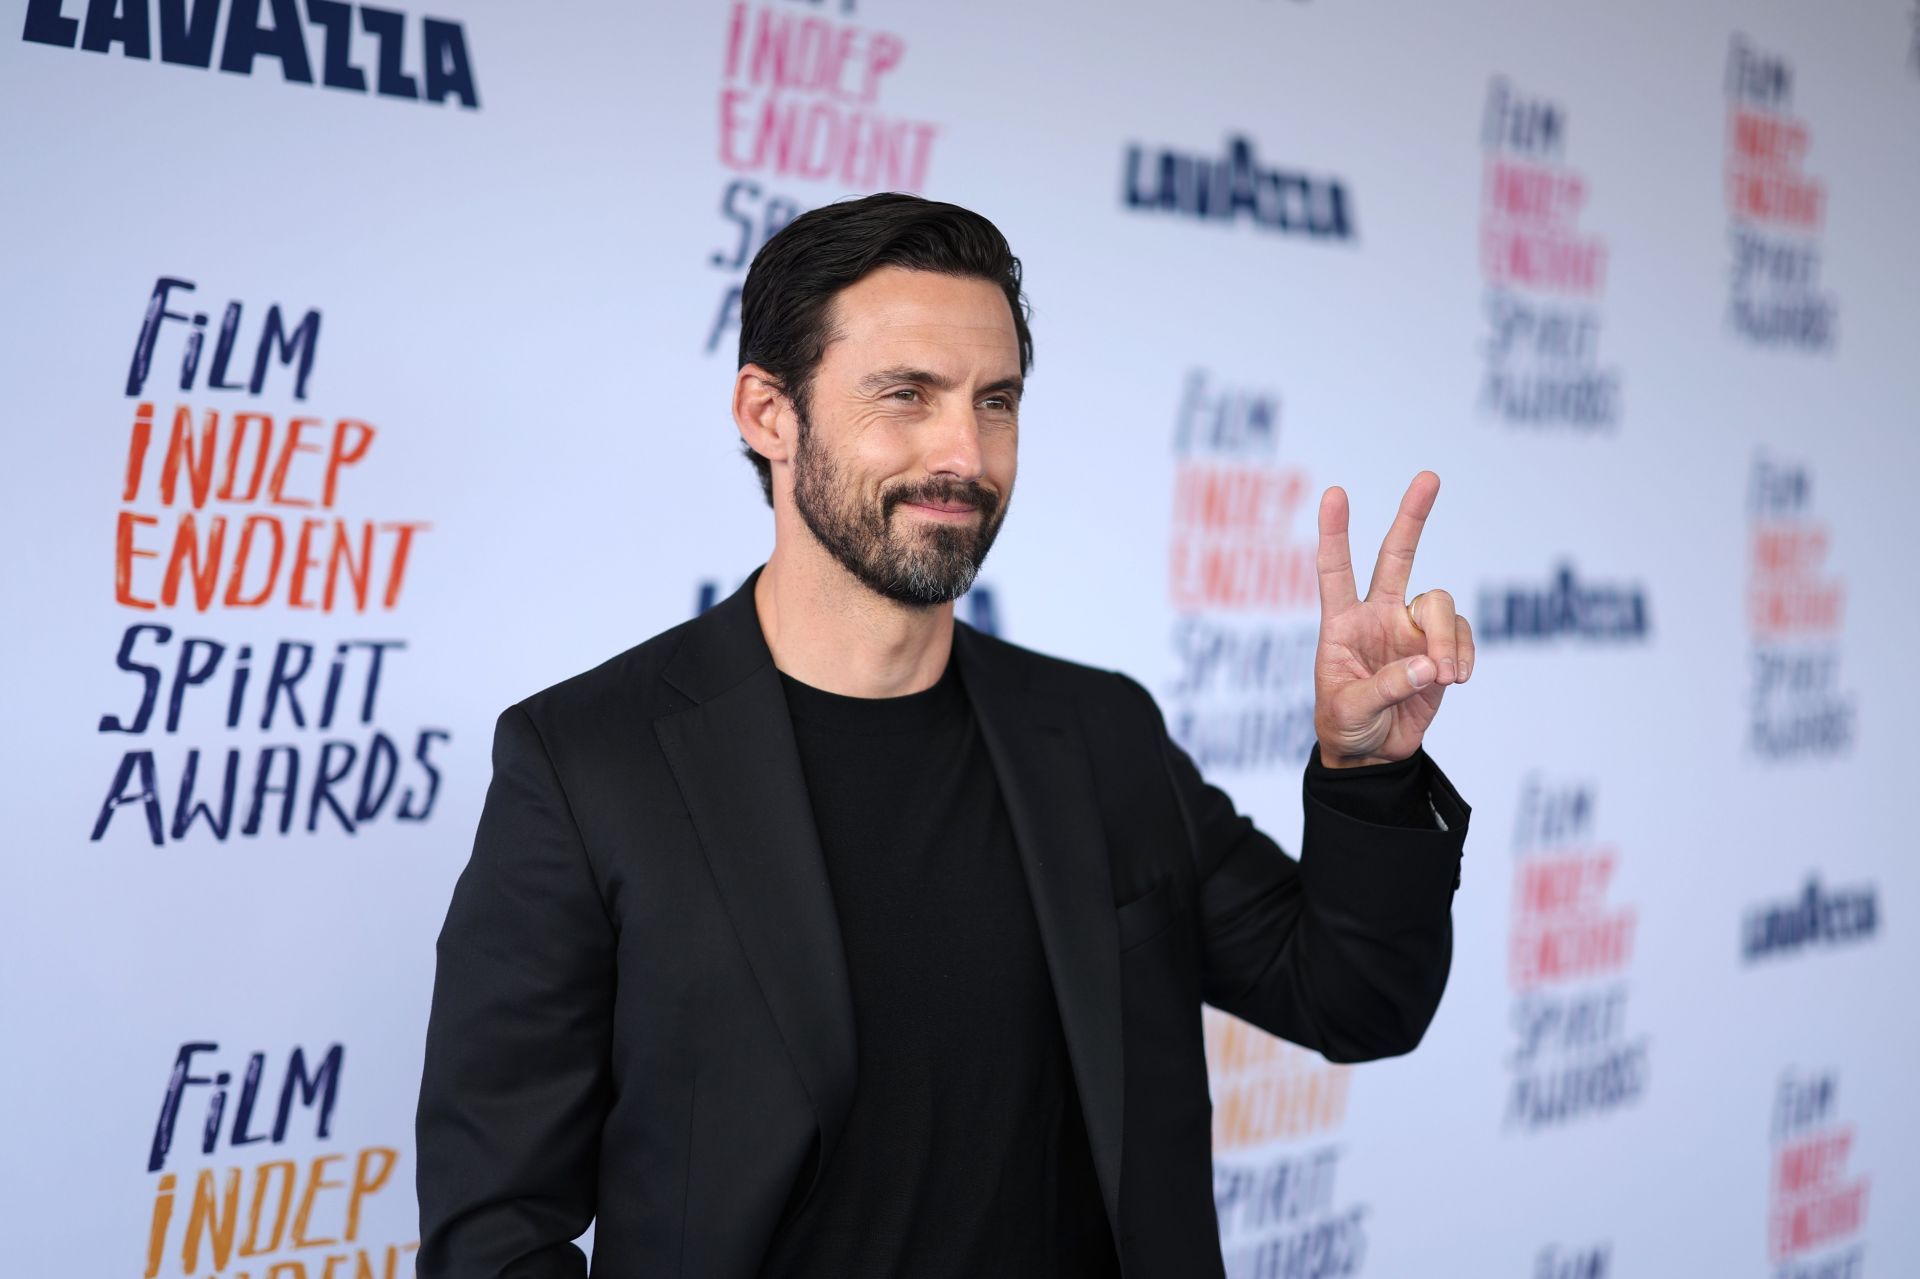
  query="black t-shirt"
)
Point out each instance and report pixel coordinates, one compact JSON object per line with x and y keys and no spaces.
{"x":965,"y":1152}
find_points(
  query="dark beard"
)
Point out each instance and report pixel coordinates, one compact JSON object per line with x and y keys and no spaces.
{"x":920,"y":567}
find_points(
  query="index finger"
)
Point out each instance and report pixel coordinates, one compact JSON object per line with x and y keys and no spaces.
{"x":1334,"y":561}
{"x":1395,"y":565}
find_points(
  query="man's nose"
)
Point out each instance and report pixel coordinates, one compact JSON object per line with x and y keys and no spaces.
{"x":954,"y":441}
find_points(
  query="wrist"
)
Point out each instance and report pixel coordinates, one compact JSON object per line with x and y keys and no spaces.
{"x":1357,"y":761}
{"x":1333,"y":759}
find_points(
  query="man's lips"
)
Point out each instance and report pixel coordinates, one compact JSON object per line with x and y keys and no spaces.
{"x":946,"y":510}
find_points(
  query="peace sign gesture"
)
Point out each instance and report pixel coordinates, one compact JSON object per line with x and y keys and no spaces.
{"x":1381,"y":666}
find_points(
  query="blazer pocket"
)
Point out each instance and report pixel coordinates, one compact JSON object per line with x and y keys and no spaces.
{"x":1146,"y":916}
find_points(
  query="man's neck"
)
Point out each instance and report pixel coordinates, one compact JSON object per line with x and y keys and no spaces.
{"x":831,"y":631}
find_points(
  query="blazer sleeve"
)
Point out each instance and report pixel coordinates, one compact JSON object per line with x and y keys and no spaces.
{"x":516,"y":1081}
{"x":1346,"y":950}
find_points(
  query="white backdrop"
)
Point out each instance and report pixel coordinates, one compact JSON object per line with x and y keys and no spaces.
{"x":1637,"y":281}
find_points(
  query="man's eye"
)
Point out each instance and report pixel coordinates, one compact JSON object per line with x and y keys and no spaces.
{"x":908,"y":392}
{"x":998,"y":402}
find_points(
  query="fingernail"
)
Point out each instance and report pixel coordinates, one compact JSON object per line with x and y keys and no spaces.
{"x":1449,"y":670}
{"x":1466,"y":669}
{"x":1420,"y":672}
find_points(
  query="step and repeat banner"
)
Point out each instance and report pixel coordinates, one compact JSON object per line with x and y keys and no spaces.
{"x":367,"y":370}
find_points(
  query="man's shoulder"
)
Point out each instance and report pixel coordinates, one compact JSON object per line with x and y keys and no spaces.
{"x":1087,"y":685}
{"x":614,"y":692}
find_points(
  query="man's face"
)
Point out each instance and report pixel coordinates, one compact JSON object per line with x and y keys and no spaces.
{"x":905,"y":462}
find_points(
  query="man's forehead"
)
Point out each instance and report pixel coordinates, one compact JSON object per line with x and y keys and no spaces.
{"x":922,"y":314}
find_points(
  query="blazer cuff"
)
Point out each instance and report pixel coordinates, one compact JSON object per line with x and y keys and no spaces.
{"x":1382,"y":794}
{"x":1381,"y":868}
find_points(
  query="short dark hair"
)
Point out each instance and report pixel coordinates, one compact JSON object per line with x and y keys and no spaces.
{"x":795,"y":275}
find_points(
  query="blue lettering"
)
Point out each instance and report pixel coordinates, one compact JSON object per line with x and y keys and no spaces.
{"x":147,"y":795}
{"x":388,"y":28}
{"x":449,"y":73}
{"x":122,"y":22}
{"x":336,"y":70}
{"x":186,"y":32}
{"x":187,"y":808}
{"x":47,"y":25}
{"x":247,"y":40}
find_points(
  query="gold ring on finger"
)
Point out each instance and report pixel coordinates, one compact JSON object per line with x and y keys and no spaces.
{"x":1414,"y":618}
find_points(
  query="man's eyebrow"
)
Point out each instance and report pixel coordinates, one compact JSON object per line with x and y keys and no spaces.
{"x":905,"y":373}
{"x":939,"y":382}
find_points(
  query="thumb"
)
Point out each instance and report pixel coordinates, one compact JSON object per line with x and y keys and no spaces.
{"x":1391,"y":685}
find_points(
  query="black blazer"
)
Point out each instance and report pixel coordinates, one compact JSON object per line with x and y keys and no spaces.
{"x":641,"y":1014}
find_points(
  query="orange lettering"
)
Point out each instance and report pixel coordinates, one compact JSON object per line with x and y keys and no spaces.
{"x":406,"y":529}
{"x":241,"y":424}
{"x":206,"y":567}
{"x":181,"y":453}
{"x":343,"y":454}
{"x":357,"y":574}
{"x":137,"y":449}
{"x":124,"y":554}
{"x":157,"y":1232}
{"x":205,"y":1218}
{"x":288,"y":1174}
{"x":302,"y":561}
{"x":366,"y":1181}
{"x":277,"y":486}
{"x":244,"y":556}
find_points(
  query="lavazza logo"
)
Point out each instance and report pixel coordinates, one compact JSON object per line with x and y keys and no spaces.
{"x":324,"y":44}
{"x":1565,"y":607}
{"x":1817,"y":916}
{"x":1233,"y":187}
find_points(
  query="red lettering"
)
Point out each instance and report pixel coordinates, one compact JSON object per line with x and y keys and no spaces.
{"x":243,"y":425}
{"x":244,"y":556}
{"x":124,"y":554}
{"x":303,"y":562}
{"x":342,"y":454}
{"x":277,"y":486}
{"x":341,"y":559}
{"x":1768,"y":139}
{"x":403,"y":546}
{"x":182,"y":454}
{"x":204,"y":564}
{"x":137,"y":450}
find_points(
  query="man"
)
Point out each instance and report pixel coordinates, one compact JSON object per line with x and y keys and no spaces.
{"x":823,"y":936}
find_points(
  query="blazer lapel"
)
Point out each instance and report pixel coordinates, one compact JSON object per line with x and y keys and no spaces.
{"x":1040,"y":758}
{"x":734,"y":758}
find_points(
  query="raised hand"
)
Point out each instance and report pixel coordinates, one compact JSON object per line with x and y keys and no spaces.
{"x":1380,"y":669}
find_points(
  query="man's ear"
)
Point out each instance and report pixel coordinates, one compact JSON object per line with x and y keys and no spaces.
{"x":764,"y":414}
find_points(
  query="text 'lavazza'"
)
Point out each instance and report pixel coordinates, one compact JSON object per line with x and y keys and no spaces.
{"x":324,"y":45}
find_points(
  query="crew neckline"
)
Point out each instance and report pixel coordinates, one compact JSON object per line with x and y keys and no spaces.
{"x":924,"y":709}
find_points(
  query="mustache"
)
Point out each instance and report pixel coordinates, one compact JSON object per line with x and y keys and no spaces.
{"x":949,"y":492}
